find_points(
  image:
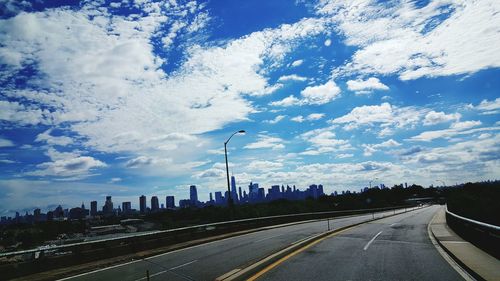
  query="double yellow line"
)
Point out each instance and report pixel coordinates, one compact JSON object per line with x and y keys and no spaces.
{"x":298,"y":251}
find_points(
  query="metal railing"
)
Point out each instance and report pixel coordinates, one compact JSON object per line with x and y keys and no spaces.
{"x":483,"y":235}
{"x":195,"y":227}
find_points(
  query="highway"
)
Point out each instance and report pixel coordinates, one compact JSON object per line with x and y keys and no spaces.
{"x":211,"y":260}
{"x":394,"y":248}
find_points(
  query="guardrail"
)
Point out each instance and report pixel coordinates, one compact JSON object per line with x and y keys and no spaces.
{"x":30,"y":261}
{"x":483,"y":235}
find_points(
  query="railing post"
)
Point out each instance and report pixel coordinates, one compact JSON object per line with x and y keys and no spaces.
{"x":328,"y":220}
{"x":147,"y":275}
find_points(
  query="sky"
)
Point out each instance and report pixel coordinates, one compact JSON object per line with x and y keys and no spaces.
{"x":138,"y":97}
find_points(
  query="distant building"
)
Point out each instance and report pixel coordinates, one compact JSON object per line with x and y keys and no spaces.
{"x":93,"y":208}
{"x":155,"y":204}
{"x":185,"y":203}
{"x":234,"y":194}
{"x":126,"y":207}
{"x":219,"y":200}
{"x":108,"y":206}
{"x":193,"y":195}
{"x":142,"y":204}
{"x":170,"y":200}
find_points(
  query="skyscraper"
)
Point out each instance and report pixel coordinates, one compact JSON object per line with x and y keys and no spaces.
{"x":155,"y":204}
{"x":218,"y":198}
{"x":142,"y":204}
{"x":234,"y":195}
{"x":193,"y":195}
{"x":93,"y":208}
{"x":108,"y":206}
{"x":126,"y":207}
{"x":170,"y":200}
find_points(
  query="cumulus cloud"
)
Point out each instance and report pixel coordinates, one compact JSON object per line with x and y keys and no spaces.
{"x":297,"y":63}
{"x":107,"y":82}
{"x":323,"y":141}
{"x":312,"y":95}
{"x":456,"y":129}
{"x":77,"y":167}
{"x":291,"y":77}
{"x":489,"y":107}
{"x":386,"y":116}
{"x":321,"y":94}
{"x":53,"y":140}
{"x":275,"y":120}
{"x":310,"y":117}
{"x":433,"y":117}
{"x":265,"y":141}
{"x":369,"y":149}
{"x":366,"y":86}
{"x":327,"y":42}
{"x":411,"y":41}
{"x":288,"y":101}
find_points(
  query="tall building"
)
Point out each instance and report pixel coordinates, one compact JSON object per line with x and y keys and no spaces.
{"x":126,"y":207}
{"x":155,"y":204}
{"x":193,"y":195}
{"x":218,"y":198}
{"x":108,"y":206}
{"x":170,"y":200}
{"x":142,"y":204}
{"x":234,"y":194}
{"x":93,"y":208}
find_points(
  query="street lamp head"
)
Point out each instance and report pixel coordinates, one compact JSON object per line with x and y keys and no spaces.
{"x":241,"y":131}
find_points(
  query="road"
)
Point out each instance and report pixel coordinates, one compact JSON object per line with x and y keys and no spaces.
{"x":394,"y":248}
{"x":211,"y":260}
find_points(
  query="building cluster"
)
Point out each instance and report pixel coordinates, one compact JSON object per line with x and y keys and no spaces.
{"x":254,"y":194}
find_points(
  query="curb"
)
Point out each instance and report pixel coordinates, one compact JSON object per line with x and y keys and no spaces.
{"x":245,"y":273}
{"x":466,"y":272}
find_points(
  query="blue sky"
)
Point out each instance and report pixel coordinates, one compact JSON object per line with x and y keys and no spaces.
{"x":137,"y":97}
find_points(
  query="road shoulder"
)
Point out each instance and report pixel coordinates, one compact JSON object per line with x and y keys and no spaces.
{"x":474,"y":261}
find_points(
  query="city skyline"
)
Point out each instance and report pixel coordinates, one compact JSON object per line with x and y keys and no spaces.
{"x":126,"y":98}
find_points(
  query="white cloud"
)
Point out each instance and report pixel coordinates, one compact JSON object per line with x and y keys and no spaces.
{"x":317,"y":95}
{"x":433,"y":117}
{"x":386,"y":116}
{"x":115,"y":180}
{"x":6,"y":142}
{"x":328,"y":42}
{"x":297,"y":63}
{"x":465,"y":125}
{"x":458,"y":128}
{"x":366,"y":86}
{"x":53,"y":140}
{"x":310,"y":117}
{"x":288,"y":101}
{"x":108,"y":85}
{"x":489,"y":107}
{"x":78,"y":167}
{"x":369,"y":149}
{"x":264,"y":166}
{"x":401,"y":38}
{"x":275,"y":120}
{"x":265,"y":141}
{"x":323,"y":141}
{"x":298,"y":119}
{"x":291,"y":77}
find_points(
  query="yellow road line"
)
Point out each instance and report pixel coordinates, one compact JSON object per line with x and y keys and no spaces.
{"x":278,"y":262}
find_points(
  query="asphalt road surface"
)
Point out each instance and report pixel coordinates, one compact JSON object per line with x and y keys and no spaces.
{"x":394,"y":248}
{"x":211,"y":260}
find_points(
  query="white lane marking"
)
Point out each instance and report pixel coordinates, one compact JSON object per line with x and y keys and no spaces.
{"x":300,"y":223}
{"x":371,"y":241}
{"x":167,"y":270}
{"x":393,"y":224}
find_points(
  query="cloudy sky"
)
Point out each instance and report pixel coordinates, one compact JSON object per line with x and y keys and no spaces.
{"x":137,"y":97}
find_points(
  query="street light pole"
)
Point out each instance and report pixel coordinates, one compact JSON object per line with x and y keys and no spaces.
{"x":229,"y":198}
